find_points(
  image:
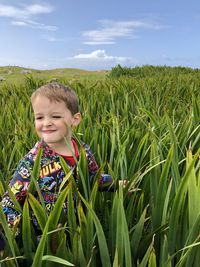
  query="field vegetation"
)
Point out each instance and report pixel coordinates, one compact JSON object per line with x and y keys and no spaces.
{"x":143,"y":126}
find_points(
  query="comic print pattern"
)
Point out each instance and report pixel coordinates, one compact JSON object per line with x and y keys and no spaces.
{"x":50,"y":178}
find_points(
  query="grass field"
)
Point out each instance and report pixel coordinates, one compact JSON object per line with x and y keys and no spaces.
{"x":143,"y":128}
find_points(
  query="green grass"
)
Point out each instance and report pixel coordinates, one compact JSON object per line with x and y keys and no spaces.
{"x":145,"y":130}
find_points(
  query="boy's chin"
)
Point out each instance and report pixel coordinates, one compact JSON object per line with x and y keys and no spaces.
{"x":54,"y":139}
{"x":50,"y":141}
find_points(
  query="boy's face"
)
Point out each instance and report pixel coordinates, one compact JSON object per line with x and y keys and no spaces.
{"x":53,"y":121}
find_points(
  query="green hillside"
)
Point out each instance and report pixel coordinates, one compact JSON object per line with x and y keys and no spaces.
{"x":19,"y":74}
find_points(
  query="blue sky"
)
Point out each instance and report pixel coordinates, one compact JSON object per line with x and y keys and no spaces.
{"x":93,"y":35}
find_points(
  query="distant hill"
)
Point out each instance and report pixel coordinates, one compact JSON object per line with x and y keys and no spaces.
{"x":15,"y":73}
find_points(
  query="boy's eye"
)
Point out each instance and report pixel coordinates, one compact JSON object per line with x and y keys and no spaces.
{"x":38,"y":118}
{"x":56,"y":117}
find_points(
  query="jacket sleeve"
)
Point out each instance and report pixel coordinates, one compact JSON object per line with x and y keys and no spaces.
{"x":105,"y":180}
{"x":18,"y":186}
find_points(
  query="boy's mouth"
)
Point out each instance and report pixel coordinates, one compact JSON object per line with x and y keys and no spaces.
{"x":48,"y":131}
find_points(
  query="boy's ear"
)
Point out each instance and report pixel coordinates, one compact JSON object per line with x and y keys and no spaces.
{"x":76,"y":119}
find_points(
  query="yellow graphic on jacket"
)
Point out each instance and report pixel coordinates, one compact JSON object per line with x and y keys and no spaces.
{"x":49,"y":169}
{"x":18,"y":186}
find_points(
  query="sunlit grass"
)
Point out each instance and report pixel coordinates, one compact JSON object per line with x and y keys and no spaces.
{"x":144,"y":130}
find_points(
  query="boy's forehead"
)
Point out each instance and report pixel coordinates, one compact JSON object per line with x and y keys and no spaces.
{"x":41,"y":103}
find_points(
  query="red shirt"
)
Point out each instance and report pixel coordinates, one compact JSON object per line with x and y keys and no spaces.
{"x":70,"y":159}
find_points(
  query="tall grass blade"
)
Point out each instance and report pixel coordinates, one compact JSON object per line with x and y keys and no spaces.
{"x":57,"y":260}
{"x":38,"y":211}
{"x":177,"y":204}
{"x":105,"y":258}
{"x":26,"y":233}
{"x":9,"y":236}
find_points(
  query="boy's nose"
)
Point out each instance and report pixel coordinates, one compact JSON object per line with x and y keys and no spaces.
{"x":47,"y":122}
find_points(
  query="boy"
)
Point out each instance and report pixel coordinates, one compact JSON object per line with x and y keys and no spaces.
{"x":56,"y":112}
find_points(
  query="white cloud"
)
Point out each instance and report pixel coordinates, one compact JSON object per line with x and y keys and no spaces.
{"x":34,"y":25}
{"x":99,"y":55}
{"x":38,"y":9}
{"x":24,"y":12}
{"x":97,"y":59}
{"x":22,"y":15}
{"x":52,"y":38}
{"x":98,"y":42}
{"x":111,"y":30}
{"x":19,"y":23}
{"x":11,"y":11}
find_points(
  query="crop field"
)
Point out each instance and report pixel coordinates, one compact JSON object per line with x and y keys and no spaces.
{"x":143,"y":127}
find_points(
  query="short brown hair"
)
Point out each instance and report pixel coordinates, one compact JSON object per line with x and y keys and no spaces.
{"x":58,"y":92}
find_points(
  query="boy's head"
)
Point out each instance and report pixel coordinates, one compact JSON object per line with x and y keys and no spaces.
{"x":58,"y":92}
{"x":56,"y":111}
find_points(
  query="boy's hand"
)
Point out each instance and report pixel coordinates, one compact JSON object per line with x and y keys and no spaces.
{"x":123,"y":182}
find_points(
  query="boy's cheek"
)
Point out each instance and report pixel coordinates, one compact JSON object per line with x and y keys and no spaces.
{"x":38,"y":127}
{"x":38,"y":133}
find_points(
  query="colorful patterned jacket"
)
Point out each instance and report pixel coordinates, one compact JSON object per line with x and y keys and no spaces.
{"x":50,"y":178}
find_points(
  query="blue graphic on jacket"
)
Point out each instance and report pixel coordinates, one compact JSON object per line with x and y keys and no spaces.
{"x":47,"y":183}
